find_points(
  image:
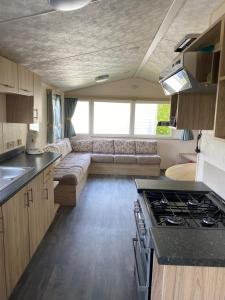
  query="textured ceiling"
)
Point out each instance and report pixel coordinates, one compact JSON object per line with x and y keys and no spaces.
{"x":69,"y":49}
{"x":192,"y":18}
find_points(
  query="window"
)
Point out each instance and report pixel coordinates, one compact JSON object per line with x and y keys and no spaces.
{"x":80,"y":118}
{"x":111,"y":118}
{"x":121,"y":118}
{"x":147,"y":116}
{"x":57,"y":117}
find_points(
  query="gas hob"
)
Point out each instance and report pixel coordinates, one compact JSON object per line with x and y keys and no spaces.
{"x":185,"y":209}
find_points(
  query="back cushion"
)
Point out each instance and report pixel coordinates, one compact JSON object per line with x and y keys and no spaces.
{"x":124,"y":147}
{"x":146,"y":147}
{"x":82,"y":145}
{"x":62,"y":145}
{"x":103,"y":146}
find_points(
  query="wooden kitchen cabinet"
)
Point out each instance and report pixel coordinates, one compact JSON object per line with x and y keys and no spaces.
{"x":49,"y":195}
{"x":2,"y":261}
{"x":26,"y":81}
{"x":187,"y":282}
{"x":8,"y":76}
{"x":16,"y":238}
{"x":37,"y":210}
{"x":37,"y":109}
{"x":19,"y":109}
{"x":193,"y":111}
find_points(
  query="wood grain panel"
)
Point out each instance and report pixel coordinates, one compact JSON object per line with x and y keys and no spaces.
{"x":16,"y":238}
{"x":8,"y":76}
{"x":37,"y":99}
{"x":19,"y":109}
{"x":187,"y":283}
{"x":36,"y":212}
{"x":26,"y":81}
{"x":2,"y":260}
{"x":196,"y":111}
{"x":124,"y":169}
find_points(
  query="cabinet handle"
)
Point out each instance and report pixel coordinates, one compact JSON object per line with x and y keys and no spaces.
{"x":25,"y":90}
{"x":7,"y":85}
{"x":30,"y":195}
{"x":26,"y":201}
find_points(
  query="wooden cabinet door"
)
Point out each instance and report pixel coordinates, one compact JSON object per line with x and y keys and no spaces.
{"x":8,"y":76}
{"x":26,"y":81}
{"x":16,"y":238}
{"x":37,"y":99}
{"x":36,"y":212}
{"x":2,"y":260}
{"x":49,"y":196}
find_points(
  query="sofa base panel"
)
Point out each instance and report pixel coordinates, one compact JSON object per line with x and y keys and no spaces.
{"x":124,"y":169}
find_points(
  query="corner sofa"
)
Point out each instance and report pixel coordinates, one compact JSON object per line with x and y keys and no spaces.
{"x":100,"y":156}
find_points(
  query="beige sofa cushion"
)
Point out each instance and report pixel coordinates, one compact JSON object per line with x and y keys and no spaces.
{"x":62,"y":147}
{"x":124,"y":147}
{"x":103,"y":146}
{"x":82,"y":145}
{"x":102,"y":158}
{"x":148,"y":159}
{"x":146,"y":147}
{"x":68,"y":176}
{"x":125,"y":159}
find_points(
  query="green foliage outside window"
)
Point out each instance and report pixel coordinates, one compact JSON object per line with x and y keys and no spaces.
{"x":163,"y":115}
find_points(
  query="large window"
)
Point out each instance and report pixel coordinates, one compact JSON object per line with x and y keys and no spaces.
{"x":80,"y":118}
{"x":121,"y":118}
{"x":147,"y":116}
{"x":111,"y":118}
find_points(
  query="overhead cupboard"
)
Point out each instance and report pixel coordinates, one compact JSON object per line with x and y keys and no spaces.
{"x":207,"y":110}
{"x":23,"y":92}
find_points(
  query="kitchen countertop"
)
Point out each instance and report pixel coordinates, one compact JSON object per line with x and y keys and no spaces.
{"x":189,"y":247}
{"x":184,"y":246}
{"x":37,"y":162}
{"x":170,"y":185}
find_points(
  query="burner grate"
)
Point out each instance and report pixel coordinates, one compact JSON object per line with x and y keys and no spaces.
{"x":186,"y":209}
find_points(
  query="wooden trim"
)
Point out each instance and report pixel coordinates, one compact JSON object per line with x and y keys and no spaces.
{"x":124,"y":169}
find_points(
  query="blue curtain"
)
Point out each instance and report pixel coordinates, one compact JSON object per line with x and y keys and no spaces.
{"x":50,"y":117}
{"x":54,"y":117}
{"x":187,"y":135}
{"x":57,"y":108}
{"x":70,"y":105}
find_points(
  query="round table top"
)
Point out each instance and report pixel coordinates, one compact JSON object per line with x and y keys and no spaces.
{"x":185,"y":172}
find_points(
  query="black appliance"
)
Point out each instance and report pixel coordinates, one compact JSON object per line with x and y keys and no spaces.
{"x":169,"y":208}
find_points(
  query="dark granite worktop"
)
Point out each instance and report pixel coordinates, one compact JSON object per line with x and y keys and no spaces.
{"x":184,"y":246}
{"x":37,"y":162}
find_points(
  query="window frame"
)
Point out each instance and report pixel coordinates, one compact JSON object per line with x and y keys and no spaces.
{"x":132,"y":119}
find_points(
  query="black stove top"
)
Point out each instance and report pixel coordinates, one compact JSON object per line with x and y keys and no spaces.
{"x":186,"y":209}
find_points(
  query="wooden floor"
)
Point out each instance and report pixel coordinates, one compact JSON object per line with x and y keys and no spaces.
{"x":87,"y":253}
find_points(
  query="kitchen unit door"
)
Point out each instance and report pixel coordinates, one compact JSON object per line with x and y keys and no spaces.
{"x":49,"y":196}
{"x":26,"y":81}
{"x":8,"y":76}
{"x":2,"y":260}
{"x":37,"y":113}
{"x":16,"y":237}
{"x":37,"y":210}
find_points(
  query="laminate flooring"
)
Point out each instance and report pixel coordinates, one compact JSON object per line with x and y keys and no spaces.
{"x":87,"y":253}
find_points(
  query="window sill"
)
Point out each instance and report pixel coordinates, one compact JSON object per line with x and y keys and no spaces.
{"x":135,"y":137}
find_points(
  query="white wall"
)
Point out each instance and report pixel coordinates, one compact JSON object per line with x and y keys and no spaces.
{"x":211,"y":162}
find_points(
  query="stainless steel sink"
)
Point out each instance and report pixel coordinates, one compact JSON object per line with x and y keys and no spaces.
{"x":11,"y":174}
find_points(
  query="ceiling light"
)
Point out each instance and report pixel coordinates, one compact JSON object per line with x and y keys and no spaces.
{"x":67,"y":5}
{"x":102,"y":78}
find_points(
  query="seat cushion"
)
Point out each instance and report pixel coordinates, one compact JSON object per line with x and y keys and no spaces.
{"x":82,"y":145}
{"x":125,"y":159}
{"x":102,"y":158}
{"x":74,"y":174}
{"x":148,"y":159}
{"x":103,"y":146}
{"x":124,"y":147}
{"x":146,"y":147}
